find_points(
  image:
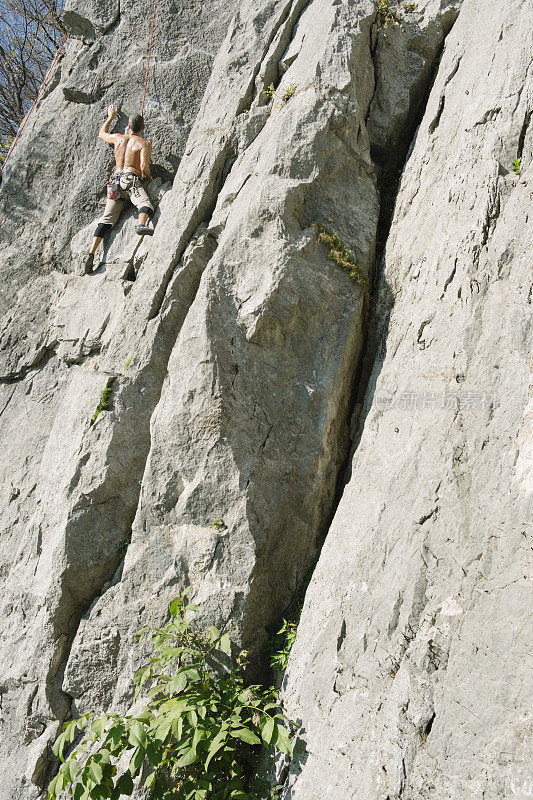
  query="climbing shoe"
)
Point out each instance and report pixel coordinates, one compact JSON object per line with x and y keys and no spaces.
{"x":144,"y":230}
{"x":88,"y":265}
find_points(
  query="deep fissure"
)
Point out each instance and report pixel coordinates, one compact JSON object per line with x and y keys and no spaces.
{"x":389,"y":173}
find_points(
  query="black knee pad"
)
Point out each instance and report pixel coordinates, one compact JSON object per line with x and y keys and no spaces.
{"x":102,"y":228}
{"x":147,"y":210}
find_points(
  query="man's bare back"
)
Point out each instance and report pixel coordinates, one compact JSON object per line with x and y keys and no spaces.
{"x":132,"y":154}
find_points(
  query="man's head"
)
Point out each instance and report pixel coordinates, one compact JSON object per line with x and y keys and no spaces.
{"x":136,"y":123}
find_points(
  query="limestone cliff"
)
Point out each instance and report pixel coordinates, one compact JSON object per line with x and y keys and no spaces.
{"x":249,"y":384}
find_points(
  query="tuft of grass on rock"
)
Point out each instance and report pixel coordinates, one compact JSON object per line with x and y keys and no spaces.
{"x":104,"y":403}
{"x":344,"y":258}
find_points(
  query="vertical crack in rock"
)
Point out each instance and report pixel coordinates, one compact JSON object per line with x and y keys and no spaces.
{"x":389,"y":168}
{"x":201,"y":216}
{"x":286,"y":23}
{"x":523,"y":131}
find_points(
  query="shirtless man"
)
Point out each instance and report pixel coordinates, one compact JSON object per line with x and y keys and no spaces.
{"x":132,"y":165}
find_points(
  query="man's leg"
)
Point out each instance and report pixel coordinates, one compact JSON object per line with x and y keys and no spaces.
{"x":105,"y":223}
{"x":99,"y":234}
{"x":140,"y":199}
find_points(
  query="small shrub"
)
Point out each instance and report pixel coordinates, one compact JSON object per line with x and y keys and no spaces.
{"x":386,"y":13}
{"x":128,"y":362}
{"x":517,"y":166}
{"x":198,"y":736}
{"x":105,"y":400}
{"x":344,"y":257}
{"x":218,"y":524}
{"x":270,"y":91}
{"x":285,"y":97}
{"x":409,"y":7}
{"x":280,"y":647}
{"x":288,"y":93}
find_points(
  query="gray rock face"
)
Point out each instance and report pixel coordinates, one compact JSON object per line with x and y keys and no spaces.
{"x":410,"y":669}
{"x":237,"y":353}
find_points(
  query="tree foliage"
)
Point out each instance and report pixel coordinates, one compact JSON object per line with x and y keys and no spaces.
{"x":30,"y":34}
{"x":198,"y":736}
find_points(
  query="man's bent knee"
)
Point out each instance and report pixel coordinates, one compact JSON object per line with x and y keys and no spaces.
{"x":101,"y":229}
{"x":148,"y":210}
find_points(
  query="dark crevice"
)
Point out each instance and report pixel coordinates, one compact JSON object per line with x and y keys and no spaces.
{"x":129,"y":273}
{"x":388,"y":166}
{"x":373,"y":32}
{"x":342,"y":635}
{"x":42,"y":357}
{"x":428,"y":726}
{"x":271,"y":70}
{"x":389,"y":170}
{"x":202,"y":215}
{"x":522,"y":136}
{"x":449,"y":279}
{"x":433,"y":125}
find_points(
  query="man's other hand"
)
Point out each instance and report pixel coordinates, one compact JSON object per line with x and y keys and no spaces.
{"x":112,"y":112}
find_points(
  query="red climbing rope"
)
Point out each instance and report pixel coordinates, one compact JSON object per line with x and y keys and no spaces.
{"x":148,"y":62}
{"x":26,"y":118}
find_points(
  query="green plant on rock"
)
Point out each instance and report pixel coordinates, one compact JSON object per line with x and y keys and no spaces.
{"x":517,"y":166}
{"x":281,"y":645}
{"x":386,"y":13}
{"x":288,"y":92}
{"x":198,"y":736}
{"x":104,"y":402}
{"x":128,"y":362}
{"x":341,"y":255}
{"x":218,"y":524}
{"x":270,"y":91}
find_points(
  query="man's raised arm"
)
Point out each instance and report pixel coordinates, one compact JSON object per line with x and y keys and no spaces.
{"x":103,"y":133}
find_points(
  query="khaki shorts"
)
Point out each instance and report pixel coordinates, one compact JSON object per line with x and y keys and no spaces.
{"x":130,"y":188}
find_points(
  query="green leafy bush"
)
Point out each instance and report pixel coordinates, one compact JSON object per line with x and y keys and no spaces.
{"x":197,"y":738}
{"x":517,"y":166}
{"x":281,"y":646}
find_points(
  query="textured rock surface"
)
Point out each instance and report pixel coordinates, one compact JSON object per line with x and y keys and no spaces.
{"x":235,"y":362}
{"x":410,"y":670}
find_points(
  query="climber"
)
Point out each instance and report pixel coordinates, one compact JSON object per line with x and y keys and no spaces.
{"x":132,"y":166}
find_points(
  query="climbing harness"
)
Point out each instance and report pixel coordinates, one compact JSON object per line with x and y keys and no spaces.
{"x":122,"y":182}
{"x":148,"y":60}
{"x":13,"y":143}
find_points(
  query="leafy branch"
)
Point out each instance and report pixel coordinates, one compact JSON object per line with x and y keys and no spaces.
{"x":198,"y":736}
